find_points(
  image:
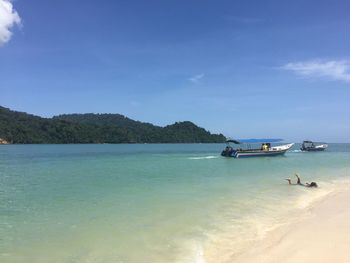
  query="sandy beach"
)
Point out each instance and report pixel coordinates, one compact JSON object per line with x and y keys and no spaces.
{"x":322,"y":234}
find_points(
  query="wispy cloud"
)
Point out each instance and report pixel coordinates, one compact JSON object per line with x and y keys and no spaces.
{"x":332,"y":69}
{"x":197,"y":78}
{"x":8,"y":18}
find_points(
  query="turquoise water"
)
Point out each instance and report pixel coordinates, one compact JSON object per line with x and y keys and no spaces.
{"x":150,"y":203}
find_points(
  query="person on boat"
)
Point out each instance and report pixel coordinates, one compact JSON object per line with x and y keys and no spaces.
{"x":312,"y":184}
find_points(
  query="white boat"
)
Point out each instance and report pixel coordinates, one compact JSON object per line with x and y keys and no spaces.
{"x":310,"y":146}
{"x":265,"y":150}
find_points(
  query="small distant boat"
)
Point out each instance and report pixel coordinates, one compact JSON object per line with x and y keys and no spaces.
{"x":265,"y":150}
{"x":309,"y":146}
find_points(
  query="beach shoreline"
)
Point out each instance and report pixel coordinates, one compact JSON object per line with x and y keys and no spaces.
{"x":319,"y":234}
{"x":156,"y":203}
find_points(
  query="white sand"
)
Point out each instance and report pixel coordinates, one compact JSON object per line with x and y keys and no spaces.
{"x":321,"y":235}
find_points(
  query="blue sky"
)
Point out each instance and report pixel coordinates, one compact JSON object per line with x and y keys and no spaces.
{"x":242,"y":68}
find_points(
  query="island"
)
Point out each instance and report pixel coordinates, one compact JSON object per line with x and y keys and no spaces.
{"x":23,"y":128}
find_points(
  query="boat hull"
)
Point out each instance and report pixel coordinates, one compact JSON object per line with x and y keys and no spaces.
{"x":246,"y":154}
{"x":274,"y":151}
{"x":312,"y":149}
{"x":258,"y":154}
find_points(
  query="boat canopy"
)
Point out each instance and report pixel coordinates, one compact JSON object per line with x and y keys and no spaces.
{"x":233,"y":141}
{"x":313,"y":142}
{"x":253,"y":141}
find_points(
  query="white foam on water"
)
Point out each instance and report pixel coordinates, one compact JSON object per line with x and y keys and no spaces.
{"x":193,"y":252}
{"x":198,"y":255}
{"x":313,"y":195}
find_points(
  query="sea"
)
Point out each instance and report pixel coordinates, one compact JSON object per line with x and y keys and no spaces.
{"x":152,"y":202}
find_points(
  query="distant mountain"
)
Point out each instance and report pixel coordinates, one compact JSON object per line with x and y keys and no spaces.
{"x":20,"y":127}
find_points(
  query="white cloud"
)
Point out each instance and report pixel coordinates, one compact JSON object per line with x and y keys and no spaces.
{"x":8,"y":18}
{"x":196,"y":79}
{"x":333,"y":69}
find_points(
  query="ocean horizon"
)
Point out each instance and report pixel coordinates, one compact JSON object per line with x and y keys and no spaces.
{"x":151,"y":202}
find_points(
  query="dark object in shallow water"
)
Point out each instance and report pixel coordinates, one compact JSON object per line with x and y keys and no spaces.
{"x":312,"y":184}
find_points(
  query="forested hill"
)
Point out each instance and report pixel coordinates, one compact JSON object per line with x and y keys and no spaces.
{"x":20,"y":127}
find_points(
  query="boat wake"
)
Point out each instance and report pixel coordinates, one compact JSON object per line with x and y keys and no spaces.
{"x":203,"y":157}
{"x":296,"y":151}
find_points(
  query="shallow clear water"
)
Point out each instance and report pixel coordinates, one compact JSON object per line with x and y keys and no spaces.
{"x":150,"y":203}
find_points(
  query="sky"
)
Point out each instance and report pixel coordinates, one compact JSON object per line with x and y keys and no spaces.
{"x":247,"y":69}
